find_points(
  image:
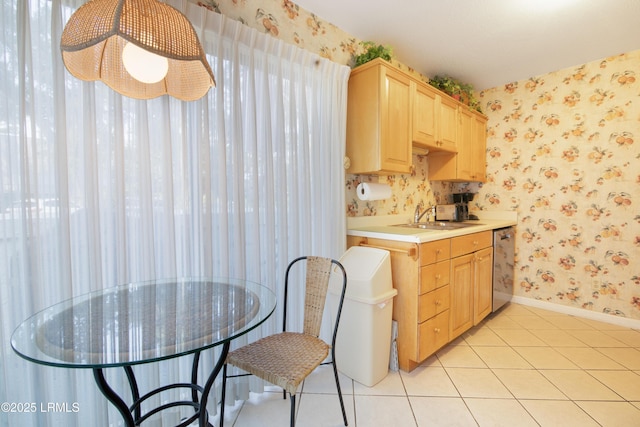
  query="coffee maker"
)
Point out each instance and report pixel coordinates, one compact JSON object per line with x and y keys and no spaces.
{"x":462,"y":200}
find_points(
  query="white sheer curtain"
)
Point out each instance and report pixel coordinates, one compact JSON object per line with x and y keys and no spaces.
{"x":98,"y":190}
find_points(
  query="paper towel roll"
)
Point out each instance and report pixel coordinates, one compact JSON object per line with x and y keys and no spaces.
{"x":370,"y":191}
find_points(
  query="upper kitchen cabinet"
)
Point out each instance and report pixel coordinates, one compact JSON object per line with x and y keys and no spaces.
{"x":435,"y":119}
{"x":379,"y":120}
{"x":479,"y":147}
{"x":389,"y":113}
{"x":469,"y":164}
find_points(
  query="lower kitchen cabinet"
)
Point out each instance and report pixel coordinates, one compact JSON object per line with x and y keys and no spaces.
{"x":434,"y":334}
{"x":483,"y":296}
{"x":433,"y":303}
{"x":434,"y":297}
{"x":461,"y":318}
{"x":471,"y":281}
{"x":444,"y":288}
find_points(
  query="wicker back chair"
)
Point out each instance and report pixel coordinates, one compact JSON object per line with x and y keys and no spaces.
{"x":285,"y":359}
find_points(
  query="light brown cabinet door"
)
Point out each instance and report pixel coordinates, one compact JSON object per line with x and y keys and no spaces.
{"x":425,"y":125}
{"x":435,"y":119}
{"x":483,"y":299}
{"x":465,"y":160}
{"x":461,"y":301}
{"x":378,"y":120}
{"x":395,"y":142}
{"x":479,"y":148}
{"x":449,"y":123}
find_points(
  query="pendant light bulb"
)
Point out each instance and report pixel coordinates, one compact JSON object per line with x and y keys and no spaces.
{"x":143,"y":65}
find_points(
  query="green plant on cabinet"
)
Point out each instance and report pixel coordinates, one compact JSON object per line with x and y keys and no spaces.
{"x":372,"y":51}
{"x":461,"y":91}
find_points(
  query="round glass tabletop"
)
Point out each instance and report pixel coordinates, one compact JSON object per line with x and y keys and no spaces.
{"x":143,"y":322}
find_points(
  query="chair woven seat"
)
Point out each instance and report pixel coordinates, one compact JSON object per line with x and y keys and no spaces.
{"x":283,"y":359}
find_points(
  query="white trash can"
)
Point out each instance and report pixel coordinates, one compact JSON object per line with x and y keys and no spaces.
{"x":364,"y":334}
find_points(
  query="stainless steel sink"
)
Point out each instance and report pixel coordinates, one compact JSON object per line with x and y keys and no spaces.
{"x":437,"y":225}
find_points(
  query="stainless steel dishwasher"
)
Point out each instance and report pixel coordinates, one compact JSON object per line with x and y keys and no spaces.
{"x":504,"y":248}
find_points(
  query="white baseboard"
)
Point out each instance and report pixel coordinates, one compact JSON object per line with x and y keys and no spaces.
{"x":578,"y":312}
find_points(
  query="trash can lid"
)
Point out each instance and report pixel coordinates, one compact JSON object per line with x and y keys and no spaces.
{"x":363,"y":263}
{"x":368,"y":273}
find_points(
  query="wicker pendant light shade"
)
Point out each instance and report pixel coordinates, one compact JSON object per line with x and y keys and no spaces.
{"x":94,"y":39}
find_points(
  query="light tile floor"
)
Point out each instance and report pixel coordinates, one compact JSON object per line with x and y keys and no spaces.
{"x":522,"y":366}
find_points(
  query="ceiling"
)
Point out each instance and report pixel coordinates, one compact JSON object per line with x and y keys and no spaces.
{"x":489,"y":43}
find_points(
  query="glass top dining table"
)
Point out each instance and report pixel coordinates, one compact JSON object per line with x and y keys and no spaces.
{"x":142,"y":323}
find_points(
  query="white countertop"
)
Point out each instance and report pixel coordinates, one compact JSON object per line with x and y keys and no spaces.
{"x":382,"y":227}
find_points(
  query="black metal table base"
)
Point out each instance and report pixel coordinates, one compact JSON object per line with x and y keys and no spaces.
{"x":132,"y":414}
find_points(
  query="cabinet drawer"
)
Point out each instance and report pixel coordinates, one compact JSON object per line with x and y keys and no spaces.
{"x":434,"y":333}
{"x":435,"y":251}
{"x":470,"y":243}
{"x":433,"y":303}
{"x":433,"y":276}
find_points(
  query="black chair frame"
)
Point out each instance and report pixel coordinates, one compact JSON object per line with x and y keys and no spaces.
{"x":284,"y":329}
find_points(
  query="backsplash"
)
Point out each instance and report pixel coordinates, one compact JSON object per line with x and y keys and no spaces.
{"x":409,"y":191}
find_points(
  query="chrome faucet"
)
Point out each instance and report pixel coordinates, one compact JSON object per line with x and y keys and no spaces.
{"x":417,"y":215}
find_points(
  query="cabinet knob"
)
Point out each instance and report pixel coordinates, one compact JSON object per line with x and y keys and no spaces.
{"x":346,"y":162}
{"x":438,"y":251}
{"x":475,"y":243}
{"x":438,"y":302}
{"x":438,"y":276}
{"x":436,"y":330}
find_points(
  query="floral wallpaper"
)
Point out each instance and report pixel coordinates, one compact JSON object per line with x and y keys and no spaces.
{"x":561,"y":151}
